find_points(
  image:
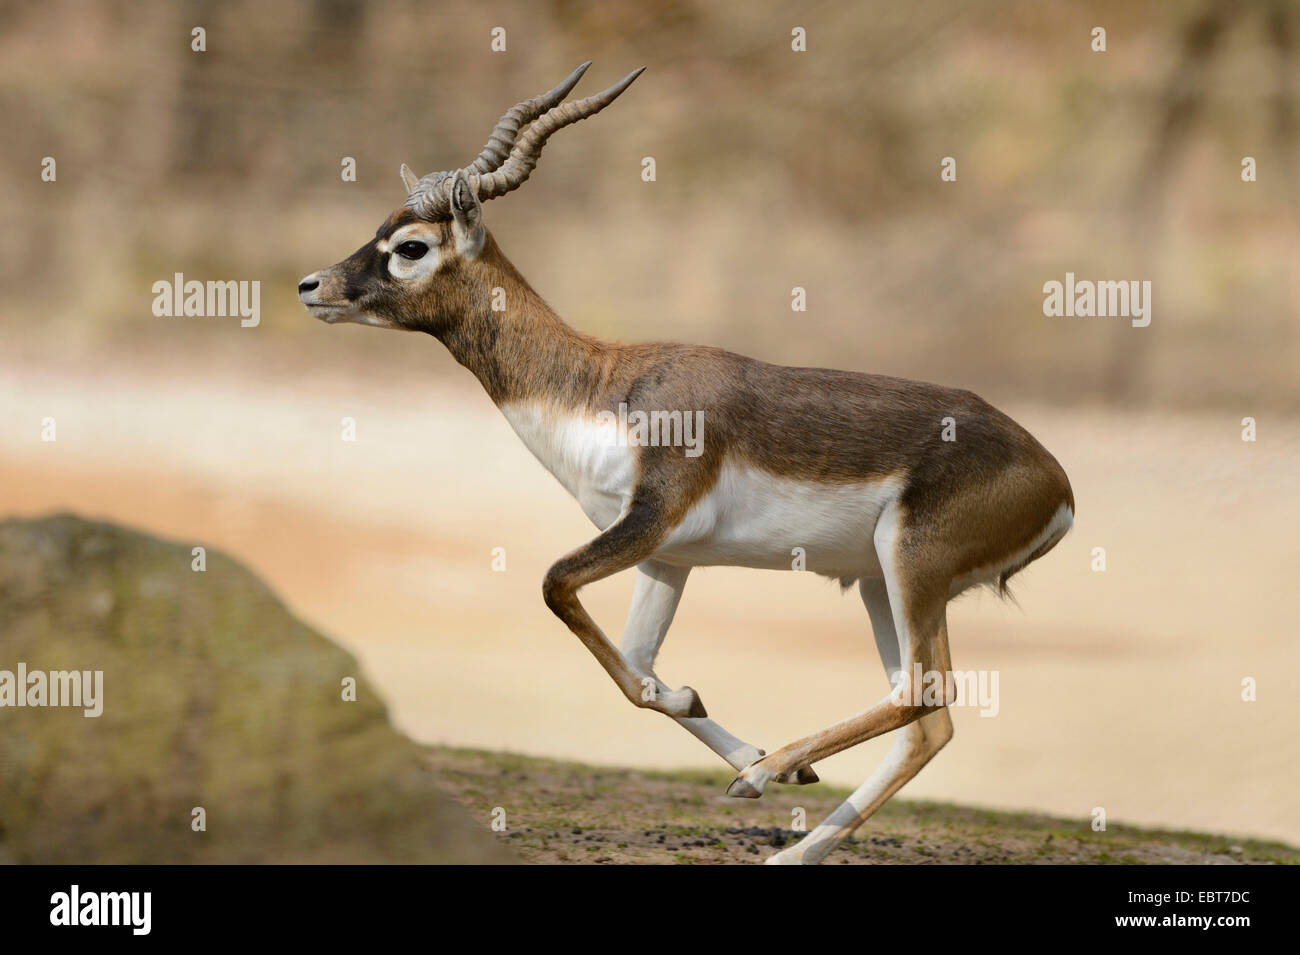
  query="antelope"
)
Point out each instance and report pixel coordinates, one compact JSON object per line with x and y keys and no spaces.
{"x":853,"y":468}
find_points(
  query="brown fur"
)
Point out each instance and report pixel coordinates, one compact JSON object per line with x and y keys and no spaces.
{"x":970,"y":503}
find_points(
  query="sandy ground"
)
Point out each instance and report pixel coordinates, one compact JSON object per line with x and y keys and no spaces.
{"x":553,"y":812}
{"x":1119,"y":689}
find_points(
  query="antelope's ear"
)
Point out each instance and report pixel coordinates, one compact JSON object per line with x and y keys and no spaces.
{"x":409,"y":179}
{"x":466,"y":217}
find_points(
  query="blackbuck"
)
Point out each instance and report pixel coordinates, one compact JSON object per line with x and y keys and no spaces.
{"x":855,"y":469}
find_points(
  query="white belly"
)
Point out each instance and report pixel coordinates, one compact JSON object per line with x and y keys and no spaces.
{"x":584,"y":454}
{"x":754,"y":519}
{"x":749,"y":518}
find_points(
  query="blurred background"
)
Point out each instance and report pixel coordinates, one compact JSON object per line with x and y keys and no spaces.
{"x":775,"y":169}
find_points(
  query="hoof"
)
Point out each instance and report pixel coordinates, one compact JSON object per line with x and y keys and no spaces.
{"x":741,"y":788}
{"x":803,"y":776}
{"x":751,"y":781}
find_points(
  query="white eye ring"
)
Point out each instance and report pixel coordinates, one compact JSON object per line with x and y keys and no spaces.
{"x":421,"y":261}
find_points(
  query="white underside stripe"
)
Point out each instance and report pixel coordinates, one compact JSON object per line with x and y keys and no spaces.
{"x":749,"y":518}
{"x":1055,"y":529}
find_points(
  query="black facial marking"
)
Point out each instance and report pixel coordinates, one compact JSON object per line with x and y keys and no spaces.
{"x":360,"y":269}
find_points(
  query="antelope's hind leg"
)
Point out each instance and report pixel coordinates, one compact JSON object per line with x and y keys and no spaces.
{"x":909,"y":623}
{"x":914,"y":746}
{"x":916,"y":592}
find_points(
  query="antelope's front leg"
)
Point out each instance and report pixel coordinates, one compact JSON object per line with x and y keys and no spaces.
{"x":655,"y":596}
{"x":627,"y":542}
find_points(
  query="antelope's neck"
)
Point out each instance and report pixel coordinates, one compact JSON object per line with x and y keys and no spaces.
{"x":524,"y":354}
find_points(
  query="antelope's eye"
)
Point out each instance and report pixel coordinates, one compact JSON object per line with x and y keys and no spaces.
{"x":412,"y":250}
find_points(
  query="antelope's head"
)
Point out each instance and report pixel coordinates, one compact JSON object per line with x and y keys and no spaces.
{"x":425,"y":266}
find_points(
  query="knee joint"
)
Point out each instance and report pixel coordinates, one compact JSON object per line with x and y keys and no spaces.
{"x":556,"y":590}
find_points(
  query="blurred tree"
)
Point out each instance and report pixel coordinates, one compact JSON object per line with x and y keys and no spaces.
{"x":1182,"y":108}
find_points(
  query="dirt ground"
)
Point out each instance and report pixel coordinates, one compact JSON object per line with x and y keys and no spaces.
{"x":1119,"y":689}
{"x":566,"y":813}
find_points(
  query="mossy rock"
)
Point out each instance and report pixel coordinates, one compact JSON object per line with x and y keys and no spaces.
{"x":214,"y":696}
